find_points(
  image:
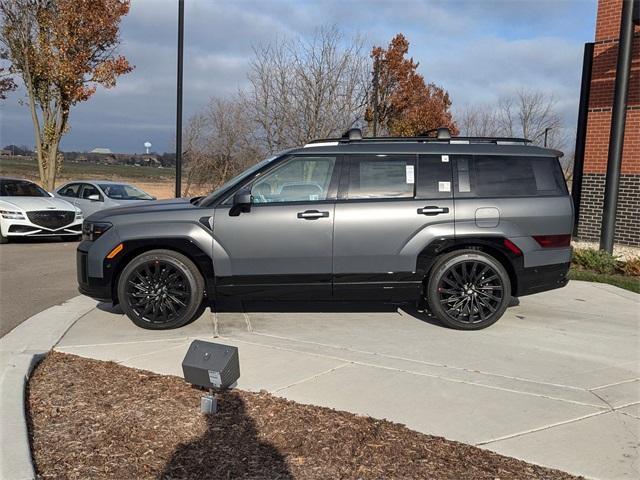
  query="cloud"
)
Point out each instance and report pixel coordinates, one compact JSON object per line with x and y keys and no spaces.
{"x":476,"y":50}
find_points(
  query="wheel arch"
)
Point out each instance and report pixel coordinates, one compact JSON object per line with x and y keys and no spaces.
{"x":494,"y":246}
{"x":186,"y":247}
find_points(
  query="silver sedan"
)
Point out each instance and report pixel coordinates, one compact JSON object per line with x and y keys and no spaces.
{"x":94,"y":195}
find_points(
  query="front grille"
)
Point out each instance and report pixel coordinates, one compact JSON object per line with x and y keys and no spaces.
{"x":51,"y":218}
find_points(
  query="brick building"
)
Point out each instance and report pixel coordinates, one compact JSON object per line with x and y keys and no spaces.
{"x":600,"y":101}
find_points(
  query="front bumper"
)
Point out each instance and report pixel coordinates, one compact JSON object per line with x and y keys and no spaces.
{"x":24,"y":228}
{"x":96,"y":288}
{"x":542,"y":278}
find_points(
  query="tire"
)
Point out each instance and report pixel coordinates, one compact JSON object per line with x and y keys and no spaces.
{"x":468,"y":290}
{"x":160,"y":290}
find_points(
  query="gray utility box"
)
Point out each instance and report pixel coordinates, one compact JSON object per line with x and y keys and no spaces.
{"x":211,"y":365}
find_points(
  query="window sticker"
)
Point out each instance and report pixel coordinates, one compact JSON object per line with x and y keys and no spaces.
{"x":410,"y":174}
{"x":445,"y":158}
{"x":444,"y":186}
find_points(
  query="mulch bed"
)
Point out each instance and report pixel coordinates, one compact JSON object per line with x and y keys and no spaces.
{"x":93,"y":419}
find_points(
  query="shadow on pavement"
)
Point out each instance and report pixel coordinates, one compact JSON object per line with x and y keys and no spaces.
{"x":230,"y":448}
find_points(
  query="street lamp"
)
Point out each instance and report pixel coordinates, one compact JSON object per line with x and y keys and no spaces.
{"x":179,"y":100}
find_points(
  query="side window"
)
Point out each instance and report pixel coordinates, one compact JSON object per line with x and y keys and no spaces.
{"x":504,"y":176}
{"x":381,"y":176}
{"x":299,"y":179}
{"x":88,"y":190}
{"x":434,"y":176}
{"x":70,"y":190}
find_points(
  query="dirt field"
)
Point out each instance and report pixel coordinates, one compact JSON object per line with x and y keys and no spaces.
{"x":99,"y":420}
{"x":159,"y":182}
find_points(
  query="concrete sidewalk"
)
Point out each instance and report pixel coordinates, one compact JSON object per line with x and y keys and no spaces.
{"x":555,"y":382}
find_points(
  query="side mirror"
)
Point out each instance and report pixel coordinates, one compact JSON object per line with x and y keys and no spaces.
{"x":94,"y":198}
{"x":153,"y":198}
{"x":242,"y":198}
{"x":241,"y":203}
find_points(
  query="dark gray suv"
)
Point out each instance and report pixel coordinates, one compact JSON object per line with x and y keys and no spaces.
{"x":459,"y":224}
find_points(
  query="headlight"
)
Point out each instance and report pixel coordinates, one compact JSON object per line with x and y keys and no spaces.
{"x":93,"y":230}
{"x":79,"y":214}
{"x":11,"y":215}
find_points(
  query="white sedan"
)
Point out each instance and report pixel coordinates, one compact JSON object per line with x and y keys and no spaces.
{"x":26,"y":210}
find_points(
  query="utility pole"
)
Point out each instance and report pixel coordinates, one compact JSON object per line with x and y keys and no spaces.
{"x":546,"y":131}
{"x":179,"y":100}
{"x":616,"y":137}
{"x":376,"y":83}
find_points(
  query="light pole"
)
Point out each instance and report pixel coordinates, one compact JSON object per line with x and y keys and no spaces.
{"x":616,"y":136}
{"x":179,"y":100}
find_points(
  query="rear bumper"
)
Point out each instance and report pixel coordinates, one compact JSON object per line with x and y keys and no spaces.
{"x":540,"y":279}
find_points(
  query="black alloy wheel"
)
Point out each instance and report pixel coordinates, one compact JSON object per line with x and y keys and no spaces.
{"x":160,"y":289}
{"x":468,"y":290}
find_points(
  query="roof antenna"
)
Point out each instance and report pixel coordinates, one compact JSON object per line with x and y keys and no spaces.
{"x":444,"y":133}
{"x":353,"y":134}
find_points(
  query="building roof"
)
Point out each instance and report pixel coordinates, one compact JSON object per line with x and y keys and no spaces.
{"x":105,"y":151}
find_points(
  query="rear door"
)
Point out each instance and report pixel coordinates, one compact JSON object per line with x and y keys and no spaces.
{"x":85,"y":204}
{"x":389,"y":209}
{"x":70,"y":192}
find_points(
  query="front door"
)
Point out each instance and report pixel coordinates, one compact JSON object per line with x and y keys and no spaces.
{"x":282,"y":247}
{"x":389,"y":209}
{"x":89,"y":205}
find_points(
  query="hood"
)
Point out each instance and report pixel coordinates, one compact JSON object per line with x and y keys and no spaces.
{"x":29,"y":204}
{"x":153,"y":206}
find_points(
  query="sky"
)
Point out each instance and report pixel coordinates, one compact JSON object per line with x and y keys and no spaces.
{"x":478,"y":50}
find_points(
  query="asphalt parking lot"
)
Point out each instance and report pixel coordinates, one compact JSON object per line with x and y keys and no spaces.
{"x":34,"y":274}
{"x":555,"y":382}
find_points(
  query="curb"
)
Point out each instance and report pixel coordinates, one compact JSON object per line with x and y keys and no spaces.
{"x":20,"y":351}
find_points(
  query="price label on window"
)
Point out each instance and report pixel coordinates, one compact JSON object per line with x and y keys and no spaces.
{"x":444,"y":186}
{"x":410,"y":174}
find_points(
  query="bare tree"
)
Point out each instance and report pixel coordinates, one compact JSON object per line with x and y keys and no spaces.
{"x":218,"y":144}
{"x":301,"y":90}
{"x":478,"y":121}
{"x":527,"y":114}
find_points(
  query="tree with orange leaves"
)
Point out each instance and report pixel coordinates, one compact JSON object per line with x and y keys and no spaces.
{"x":401,"y":103}
{"x":62,"y":49}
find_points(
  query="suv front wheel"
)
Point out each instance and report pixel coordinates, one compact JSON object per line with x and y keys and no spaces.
{"x":160,"y":289}
{"x":468,"y":290}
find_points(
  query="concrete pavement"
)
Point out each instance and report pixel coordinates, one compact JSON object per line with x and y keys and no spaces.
{"x":35,"y":274}
{"x":555,"y":382}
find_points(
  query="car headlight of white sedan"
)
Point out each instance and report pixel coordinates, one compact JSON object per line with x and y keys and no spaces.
{"x":12,"y":215}
{"x":79,"y":215}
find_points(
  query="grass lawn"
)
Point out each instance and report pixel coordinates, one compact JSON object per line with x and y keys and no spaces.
{"x":628,"y":283}
{"x":99,"y":420}
{"x":26,"y":167}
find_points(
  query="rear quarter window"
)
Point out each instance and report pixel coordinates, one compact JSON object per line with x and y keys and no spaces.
{"x":504,"y":176}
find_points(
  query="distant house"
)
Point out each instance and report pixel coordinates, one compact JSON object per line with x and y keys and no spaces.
{"x":5,"y":153}
{"x":103,"y":151}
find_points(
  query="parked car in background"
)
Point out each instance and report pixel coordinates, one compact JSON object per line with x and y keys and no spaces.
{"x":27,"y":210}
{"x":460,"y":224}
{"x":94,"y":195}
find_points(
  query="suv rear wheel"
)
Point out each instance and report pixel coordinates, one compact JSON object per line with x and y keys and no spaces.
{"x":468,"y":290}
{"x":160,"y":289}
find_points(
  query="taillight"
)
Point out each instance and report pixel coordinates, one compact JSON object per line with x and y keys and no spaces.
{"x":512,"y":247}
{"x":553,"y":241}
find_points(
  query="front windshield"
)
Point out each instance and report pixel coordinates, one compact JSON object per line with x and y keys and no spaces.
{"x":21,"y":188}
{"x":238,"y":178}
{"x":123,"y":191}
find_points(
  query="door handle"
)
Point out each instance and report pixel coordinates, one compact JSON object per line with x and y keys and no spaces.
{"x":312,"y":214}
{"x":431,"y":210}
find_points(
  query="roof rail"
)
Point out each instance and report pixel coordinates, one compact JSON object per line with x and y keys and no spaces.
{"x":442,"y":135}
